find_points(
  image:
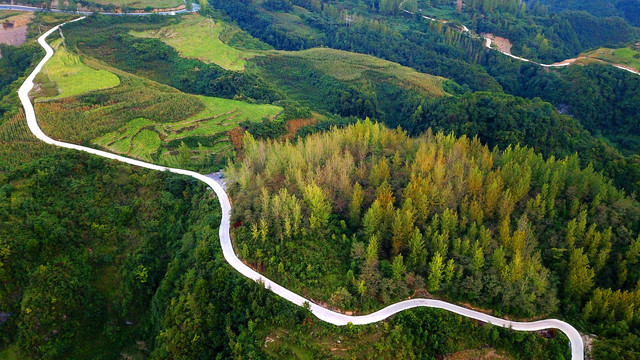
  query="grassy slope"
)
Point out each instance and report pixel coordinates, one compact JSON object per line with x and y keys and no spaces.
{"x":141,"y":138}
{"x":141,"y":4}
{"x":200,"y":38}
{"x":623,"y":56}
{"x":73,"y":77}
{"x":319,"y":77}
{"x":352,"y":67}
{"x":214,"y":41}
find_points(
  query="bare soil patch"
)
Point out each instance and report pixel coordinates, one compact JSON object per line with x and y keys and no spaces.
{"x":477,"y":354}
{"x":503,"y":44}
{"x":14,"y":29}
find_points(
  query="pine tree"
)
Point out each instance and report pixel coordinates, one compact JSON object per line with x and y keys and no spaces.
{"x":356,"y":204}
{"x":435,"y":272}
{"x":579,"y":275}
{"x":319,"y":207}
{"x":417,"y":251}
{"x":398,"y":268}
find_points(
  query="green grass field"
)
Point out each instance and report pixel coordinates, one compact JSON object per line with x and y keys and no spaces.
{"x":72,"y":77}
{"x":623,"y":56}
{"x":219,"y":115}
{"x":201,"y":38}
{"x":352,"y":67}
{"x":141,"y":4}
{"x":153,"y":141}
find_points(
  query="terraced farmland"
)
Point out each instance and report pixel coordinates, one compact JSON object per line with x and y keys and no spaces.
{"x":203,"y":134}
{"x":66,"y":75}
{"x":208,"y":40}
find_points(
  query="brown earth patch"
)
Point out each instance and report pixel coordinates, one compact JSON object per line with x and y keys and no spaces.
{"x":236,"y":134}
{"x":476,"y":354}
{"x":14,"y":29}
{"x":294,"y":125}
{"x":503,"y":44}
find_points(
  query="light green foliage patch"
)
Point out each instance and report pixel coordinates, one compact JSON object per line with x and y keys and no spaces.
{"x":73,"y":77}
{"x":143,"y":144}
{"x":622,"y":56}
{"x":141,"y":4}
{"x":133,"y":139}
{"x":219,"y":115}
{"x":353,"y":67}
{"x":201,"y":38}
{"x":154,"y":141}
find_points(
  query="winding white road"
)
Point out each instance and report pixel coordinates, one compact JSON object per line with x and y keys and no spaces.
{"x":577,"y":347}
{"x":488,"y":42}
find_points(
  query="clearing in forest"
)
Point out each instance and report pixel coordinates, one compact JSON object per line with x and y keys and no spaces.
{"x":208,"y":40}
{"x":66,"y":75}
{"x":14,"y":27}
{"x":352,"y":67}
{"x":626,"y":56}
{"x":205,"y":132}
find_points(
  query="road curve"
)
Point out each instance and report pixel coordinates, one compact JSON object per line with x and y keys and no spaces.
{"x":577,"y":347}
{"x":488,"y":42}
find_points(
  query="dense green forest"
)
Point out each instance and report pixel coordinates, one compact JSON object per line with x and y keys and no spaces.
{"x":556,"y":37}
{"x":99,"y":260}
{"x":83,"y":248}
{"x":14,"y":61}
{"x":364,"y":216}
{"x":628,"y":9}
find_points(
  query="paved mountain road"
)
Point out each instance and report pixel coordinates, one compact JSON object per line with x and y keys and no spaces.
{"x":488,"y":43}
{"x":577,"y":347}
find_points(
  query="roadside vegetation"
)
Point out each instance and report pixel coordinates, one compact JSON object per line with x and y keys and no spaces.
{"x":188,"y":142}
{"x":625,"y":56}
{"x":69,"y":76}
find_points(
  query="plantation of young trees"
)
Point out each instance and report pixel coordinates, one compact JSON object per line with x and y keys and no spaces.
{"x":364,"y":216}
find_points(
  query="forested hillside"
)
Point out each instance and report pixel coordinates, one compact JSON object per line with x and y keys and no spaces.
{"x":590,"y":93}
{"x":84,"y":246}
{"x":628,"y":9}
{"x":505,"y":186}
{"x":365,"y":216}
{"x":100,"y":260}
